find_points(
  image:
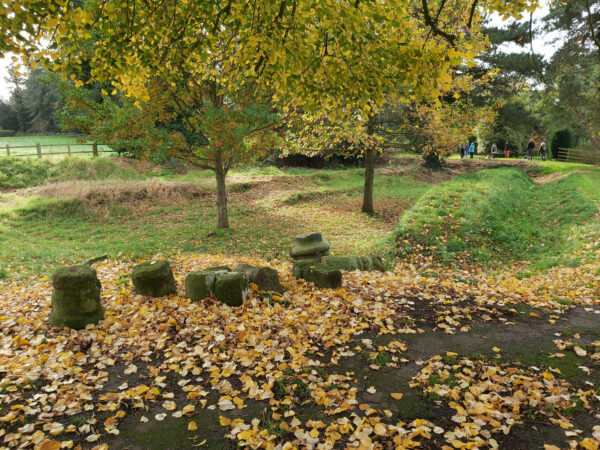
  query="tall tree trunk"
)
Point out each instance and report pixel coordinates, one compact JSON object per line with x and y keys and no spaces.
{"x":367,"y":205}
{"x":222,"y":220}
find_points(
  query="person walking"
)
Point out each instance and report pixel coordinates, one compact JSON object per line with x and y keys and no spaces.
{"x":543,"y":151}
{"x":472,"y":149}
{"x":507,"y":150}
{"x":494,"y":151}
{"x":530,"y":148}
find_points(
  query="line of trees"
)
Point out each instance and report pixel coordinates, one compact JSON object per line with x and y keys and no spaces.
{"x":32,"y":105}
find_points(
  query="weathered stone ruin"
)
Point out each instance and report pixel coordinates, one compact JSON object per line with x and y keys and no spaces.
{"x":154,"y":278}
{"x":265,"y":278}
{"x":76,"y":297}
{"x":313,"y":263}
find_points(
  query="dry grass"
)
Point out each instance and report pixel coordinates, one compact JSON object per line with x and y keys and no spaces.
{"x":122,"y":193}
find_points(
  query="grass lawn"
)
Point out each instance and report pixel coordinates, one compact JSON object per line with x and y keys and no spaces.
{"x":495,"y":215}
{"x":53,"y":147}
{"x":267,"y":209}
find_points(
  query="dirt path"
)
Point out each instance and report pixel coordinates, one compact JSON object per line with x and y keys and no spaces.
{"x":555,"y":176}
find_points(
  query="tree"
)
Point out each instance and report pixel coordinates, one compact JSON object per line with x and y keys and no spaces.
{"x":340,"y":58}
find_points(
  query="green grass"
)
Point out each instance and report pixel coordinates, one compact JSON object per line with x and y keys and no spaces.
{"x":16,"y":173}
{"x":37,"y":234}
{"x":500,"y":215}
{"x":50,"y":144}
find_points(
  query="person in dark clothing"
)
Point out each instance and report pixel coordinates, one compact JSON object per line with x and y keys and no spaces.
{"x":507,"y":150}
{"x":530,"y":148}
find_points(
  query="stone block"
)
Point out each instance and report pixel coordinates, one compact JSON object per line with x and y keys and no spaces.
{"x":200,"y":284}
{"x":154,"y":278}
{"x":231,"y":288}
{"x":266,"y":279}
{"x":76,"y":297}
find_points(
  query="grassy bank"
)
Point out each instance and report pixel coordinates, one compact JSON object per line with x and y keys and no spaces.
{"x":167,"y":213}
{"x":500,"y":215}
{"x":17,"y":173}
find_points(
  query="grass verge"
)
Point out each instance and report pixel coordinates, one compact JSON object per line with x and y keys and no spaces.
{"x":499,"y":215}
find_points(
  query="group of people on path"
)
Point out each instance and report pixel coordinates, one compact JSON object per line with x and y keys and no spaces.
{"x":531,"y":148}
{"x":469,"y":149}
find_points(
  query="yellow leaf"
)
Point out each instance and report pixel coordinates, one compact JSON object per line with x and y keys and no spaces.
{"x":397,"y":395}
{"x":192,"y":426}
{"x":379,"y":429}
{"x":225,"y":422}
{"x":314,"y":433}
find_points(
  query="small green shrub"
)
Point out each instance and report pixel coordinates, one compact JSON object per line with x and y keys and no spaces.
{"x":561,"y":139}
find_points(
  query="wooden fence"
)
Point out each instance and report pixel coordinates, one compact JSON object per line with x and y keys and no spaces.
{"x":579,"y":155}
{"x":17,"y":150}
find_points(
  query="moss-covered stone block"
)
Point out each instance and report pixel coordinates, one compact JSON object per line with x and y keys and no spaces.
{"x":231,"y":288}
{"x":217,"y":269}
{"x":310,"y":245}
{"x":323,"y":277}
{"x":349,"y":263}
{"x":76,"y":297}
{"x":154,"y":278}
{"x":266,"y":279}
{"x":199,"y":284}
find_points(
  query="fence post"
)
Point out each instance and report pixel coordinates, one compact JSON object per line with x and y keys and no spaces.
{"x":39,"y":150}
{"x":69,"y":150}
{"x":7,"y":150}
{"x":95,"y":149}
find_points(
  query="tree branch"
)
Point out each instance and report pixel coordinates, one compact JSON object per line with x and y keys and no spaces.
{"x":433,"y":26}
{"x":472,"y":13}
{"x":531,"y":46}
{"x":591,"y":24}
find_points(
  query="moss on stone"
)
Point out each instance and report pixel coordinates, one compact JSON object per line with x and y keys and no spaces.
{"x":154,"y":278}
{"x":231,"y":288}
{"x":199,"y":284}
{"x":309,"y":245}
{"x":266,"y":279}
{"x":323,"y":277}
{"x":349,"y":263}
{"x":76,"y":297}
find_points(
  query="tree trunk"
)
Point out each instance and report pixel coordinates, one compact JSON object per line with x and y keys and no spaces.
{"x":367,"y":205}
{"x":222,"y":220}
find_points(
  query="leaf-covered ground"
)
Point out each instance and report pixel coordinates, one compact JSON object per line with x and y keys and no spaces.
{"x":418,"y":356}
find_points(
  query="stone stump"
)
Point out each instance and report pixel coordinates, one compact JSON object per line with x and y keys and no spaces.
{"x":199,"y":284}
{"x":76,"y":297}
{"x":266,"y":279}
{"x":349,"y":263}
{"x":231,"y":288}
{"x":310,"y":246}
{"x":323,"y":277}
{"x":154,"y":278}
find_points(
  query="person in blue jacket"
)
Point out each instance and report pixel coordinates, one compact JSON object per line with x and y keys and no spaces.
{"x":472,"y":149}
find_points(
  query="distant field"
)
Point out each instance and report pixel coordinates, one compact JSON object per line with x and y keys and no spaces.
{"x":54,"y":147}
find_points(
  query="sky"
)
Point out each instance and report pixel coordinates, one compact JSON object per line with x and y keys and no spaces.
{"x":540,"y":45}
